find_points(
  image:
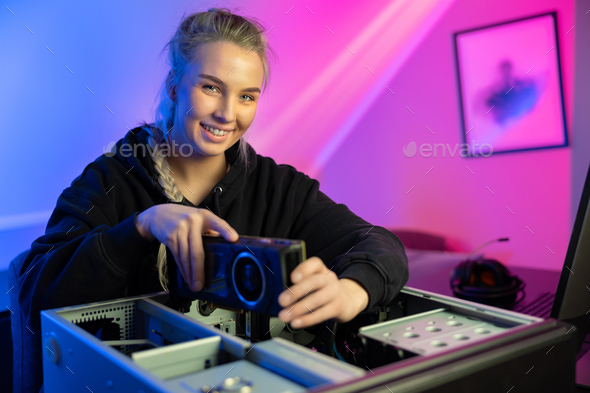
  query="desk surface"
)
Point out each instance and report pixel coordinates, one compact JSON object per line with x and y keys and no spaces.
{"x":431,"y":271}
{"x":438,"y":280}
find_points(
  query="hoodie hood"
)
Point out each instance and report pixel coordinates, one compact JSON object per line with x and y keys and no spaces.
{"x":136,"y":155}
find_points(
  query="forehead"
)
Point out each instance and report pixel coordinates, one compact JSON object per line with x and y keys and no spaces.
{"x":238,"y":67}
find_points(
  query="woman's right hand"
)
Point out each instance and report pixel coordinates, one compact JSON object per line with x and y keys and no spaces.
{"x":181,"y":229}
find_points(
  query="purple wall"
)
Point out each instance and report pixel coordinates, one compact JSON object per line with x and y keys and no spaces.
{"x":522,"y":195}
{"x":78,"y":75}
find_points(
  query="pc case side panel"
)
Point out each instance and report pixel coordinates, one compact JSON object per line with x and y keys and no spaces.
{"x":540,"y":357}
{"x":540,"y":364}
{"x":301,"y":364}
{"x":419,"y":300}
{"x":75,"y":361}
{"x":543,"y":363}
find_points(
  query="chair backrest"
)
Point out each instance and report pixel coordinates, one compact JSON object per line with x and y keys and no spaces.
{"x":419,"y":240}
{"x":27,"y":356}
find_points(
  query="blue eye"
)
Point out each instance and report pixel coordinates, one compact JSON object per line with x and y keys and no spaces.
{"x":210,"y":88}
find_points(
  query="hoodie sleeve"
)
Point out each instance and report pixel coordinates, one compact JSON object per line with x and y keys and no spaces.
{"x":371,"y":255}
{"x":83,"y":257}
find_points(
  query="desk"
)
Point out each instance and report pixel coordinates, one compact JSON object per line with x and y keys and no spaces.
{"x":431,"y":271}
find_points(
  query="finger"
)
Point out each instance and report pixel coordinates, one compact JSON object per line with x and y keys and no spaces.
{"x":284,"y":314}
{"x":314,"y":282}
{"x":306,"y":268}
{"x":297,"y":291}
{"x":213,"y":222}
{"x":229,"y":233}
{"x":183,"y":254}
{"x":310,"y":303}
{"x":199,"y":262}
{"x":173,"y":246}
{"x":196,"y":252}
{"x":313,"y":318}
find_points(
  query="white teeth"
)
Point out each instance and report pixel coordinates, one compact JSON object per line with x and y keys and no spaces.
{"x":215,"y":130}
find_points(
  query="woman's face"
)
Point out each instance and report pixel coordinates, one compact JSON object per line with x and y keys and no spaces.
{"x":220,"y":89}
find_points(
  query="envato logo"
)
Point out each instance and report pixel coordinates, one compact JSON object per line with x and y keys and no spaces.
{"x":164,"y":150}
{"x":426,"y":149}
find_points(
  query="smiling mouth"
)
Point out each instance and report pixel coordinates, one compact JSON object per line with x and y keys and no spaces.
{"x":221,"y":134}
{"x":207,"y":126}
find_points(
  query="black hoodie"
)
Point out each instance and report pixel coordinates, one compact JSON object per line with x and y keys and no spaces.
{"x":92,"y":251}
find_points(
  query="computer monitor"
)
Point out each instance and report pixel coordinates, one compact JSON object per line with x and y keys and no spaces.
{"x":572,"y":299}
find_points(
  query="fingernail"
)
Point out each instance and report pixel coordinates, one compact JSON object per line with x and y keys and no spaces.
{"x":198,"y":285}
{"x":297,"y":276}
{"x":296,"y":323}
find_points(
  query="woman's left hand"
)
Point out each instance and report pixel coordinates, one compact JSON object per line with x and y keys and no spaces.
{"x":318,"y":295}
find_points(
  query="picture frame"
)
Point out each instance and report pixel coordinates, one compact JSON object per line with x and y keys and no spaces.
{"x":510,"y":86}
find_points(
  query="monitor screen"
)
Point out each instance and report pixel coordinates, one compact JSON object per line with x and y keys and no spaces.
{"x":572,"y":299}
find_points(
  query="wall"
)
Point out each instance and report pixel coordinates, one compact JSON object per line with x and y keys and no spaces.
{"x":524,"y":196}
{"x":77,"y":76}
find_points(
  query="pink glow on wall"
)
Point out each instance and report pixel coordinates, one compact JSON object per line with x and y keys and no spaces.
{"x":325,"y":112}
{"x":331,"y":97}
{"x":523,"y":195}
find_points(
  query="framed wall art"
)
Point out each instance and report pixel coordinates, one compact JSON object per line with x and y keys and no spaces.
{"x":510,"y":88}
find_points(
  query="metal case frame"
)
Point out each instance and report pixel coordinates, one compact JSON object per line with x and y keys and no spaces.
{"x":76,"y":360}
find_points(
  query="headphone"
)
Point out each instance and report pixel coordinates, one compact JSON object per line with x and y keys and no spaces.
{"x":486,"y":281}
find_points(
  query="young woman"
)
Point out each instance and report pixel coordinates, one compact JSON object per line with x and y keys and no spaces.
{"x":191,"y":173}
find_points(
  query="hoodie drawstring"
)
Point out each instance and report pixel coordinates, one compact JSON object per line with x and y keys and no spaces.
{"x":217,"y":192}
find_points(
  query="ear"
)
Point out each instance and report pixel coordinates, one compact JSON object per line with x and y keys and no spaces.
{"x":169,"y":88}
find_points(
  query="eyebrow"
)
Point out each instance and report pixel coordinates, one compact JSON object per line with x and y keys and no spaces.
{"x":222,"y":83}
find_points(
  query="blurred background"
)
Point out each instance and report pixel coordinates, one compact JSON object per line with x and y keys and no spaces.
{"x":355,"y":83}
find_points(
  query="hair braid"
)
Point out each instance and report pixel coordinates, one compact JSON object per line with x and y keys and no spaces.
{"x":156,"y":140}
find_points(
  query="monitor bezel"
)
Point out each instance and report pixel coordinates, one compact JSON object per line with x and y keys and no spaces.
{"x":571,"y":249}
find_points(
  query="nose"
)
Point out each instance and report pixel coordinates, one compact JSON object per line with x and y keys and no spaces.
{"x":225,"y":112}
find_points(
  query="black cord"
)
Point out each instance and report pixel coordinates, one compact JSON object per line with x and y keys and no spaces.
{"x":510,"y":306}
{"x":251,"y":338}
{"x":239,"y":326}
{"x":331,"y":329}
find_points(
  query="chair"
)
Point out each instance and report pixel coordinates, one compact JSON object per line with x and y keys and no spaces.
{"x":420,"y":240}
{"x":26,"y":352}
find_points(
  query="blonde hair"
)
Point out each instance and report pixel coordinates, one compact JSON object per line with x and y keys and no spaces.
{"x":215,"y":25}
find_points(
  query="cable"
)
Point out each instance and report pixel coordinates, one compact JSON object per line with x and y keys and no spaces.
{"x":510,"y":306}
{"x":502,"y":239}
{"x":251,"y":338}
{"x":332,"y":340}
{"x":337,"y":354}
